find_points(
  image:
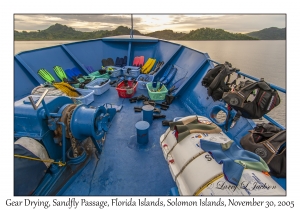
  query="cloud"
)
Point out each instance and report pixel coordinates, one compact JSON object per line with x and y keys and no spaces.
{"x":236,"y":23}
{"x":83,"y":22}
{"x":232,"y":23}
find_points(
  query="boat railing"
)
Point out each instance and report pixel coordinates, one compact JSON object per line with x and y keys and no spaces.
{"x":271,"y":120}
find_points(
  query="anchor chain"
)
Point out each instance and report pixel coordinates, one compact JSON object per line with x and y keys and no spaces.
{"x":64,"y":119}
{"x":72,"y":138}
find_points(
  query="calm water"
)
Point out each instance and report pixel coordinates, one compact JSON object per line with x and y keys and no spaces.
{"x":266,"y":59}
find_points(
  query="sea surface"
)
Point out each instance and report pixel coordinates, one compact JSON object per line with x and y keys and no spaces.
{"x":261,"y":59}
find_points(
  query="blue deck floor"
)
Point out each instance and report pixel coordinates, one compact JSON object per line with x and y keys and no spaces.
{"x":124,"y":168}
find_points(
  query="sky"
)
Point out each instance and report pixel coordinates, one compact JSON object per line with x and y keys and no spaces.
{"x":145,"y":23}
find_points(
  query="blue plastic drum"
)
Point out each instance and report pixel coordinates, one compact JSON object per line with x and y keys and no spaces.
{"x":142,"y":128}
{"x":148,"y":113}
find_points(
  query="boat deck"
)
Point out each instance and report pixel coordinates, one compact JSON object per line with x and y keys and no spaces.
{"x":125,"y":167}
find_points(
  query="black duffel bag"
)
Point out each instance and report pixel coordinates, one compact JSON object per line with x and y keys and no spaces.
{"x":269,"y":142}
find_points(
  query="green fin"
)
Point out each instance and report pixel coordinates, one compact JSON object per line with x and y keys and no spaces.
{"x":46,"y":75}
{"x":60,"y":73}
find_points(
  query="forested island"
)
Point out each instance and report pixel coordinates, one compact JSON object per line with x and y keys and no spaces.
{"x":63,"y":32}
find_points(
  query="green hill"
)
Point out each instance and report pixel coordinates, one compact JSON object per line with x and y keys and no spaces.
{"x":63,"y":32}
{"x":272,"y":33}
{"x":166,"y":34}
{"x":214,"y":34}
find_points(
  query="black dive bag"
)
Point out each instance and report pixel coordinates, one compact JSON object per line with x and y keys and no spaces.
{"x":269,"y":142}
{"x":214,"y":80}
{"x":265,"y":99}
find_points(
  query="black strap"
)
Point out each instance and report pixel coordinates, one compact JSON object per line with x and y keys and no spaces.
{"x":82,"y":85}
{"x":237,"y":116}
{"x":235,"y":119}
{"x":228,"y":117}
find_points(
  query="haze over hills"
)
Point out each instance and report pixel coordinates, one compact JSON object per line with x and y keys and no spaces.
{"x":272,"y":33}
{"x":63,"y":32}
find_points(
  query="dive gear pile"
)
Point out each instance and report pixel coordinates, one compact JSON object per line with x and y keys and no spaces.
{"x":214,"y":80}
{"x":108,"y":62}
{"x":138,"y":61}
{"x":168,"y":75}
{"x":146,"y":68}
{"x":120,"y":62}
{"x":265,"y":99}
{"x":182,"y":131}
{"x":269,"y":142}
{"x":64,"y":87}
{"x":249,"y":99}
{"x":157,"y":67}
{"x":60,"y":73}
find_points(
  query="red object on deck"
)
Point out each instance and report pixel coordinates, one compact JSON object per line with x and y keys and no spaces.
{"x":126,"y":92}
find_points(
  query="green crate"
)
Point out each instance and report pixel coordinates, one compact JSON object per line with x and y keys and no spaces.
{"x":81,"y":80}
{"x":76,"y":85}
{"x":97,"y":75}
{"x":157,"y":96}
{"x":89,"y":77}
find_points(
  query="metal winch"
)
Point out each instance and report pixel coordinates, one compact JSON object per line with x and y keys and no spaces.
{"x":65,"y":130}
{"x":59,"y":123}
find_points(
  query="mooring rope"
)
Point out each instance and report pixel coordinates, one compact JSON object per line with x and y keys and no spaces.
{"x":37,"y":159}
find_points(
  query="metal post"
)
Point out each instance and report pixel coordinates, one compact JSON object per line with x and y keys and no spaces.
{"x":142,"y":128}
{"x":148,"y":113}
{"x":131,"y":32}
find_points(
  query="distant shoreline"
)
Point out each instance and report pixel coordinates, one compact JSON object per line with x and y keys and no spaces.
{"x":60,"y":32}
{"x":55,"y":40}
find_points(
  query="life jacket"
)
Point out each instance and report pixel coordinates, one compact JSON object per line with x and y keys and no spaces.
{"x":265,"y":99}
{"x":214,"y":80}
